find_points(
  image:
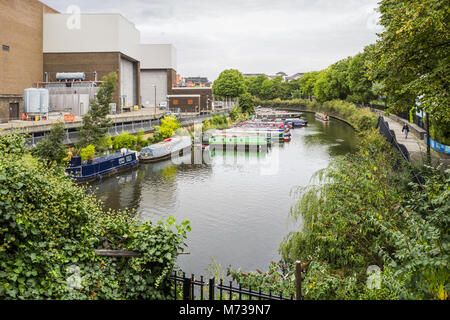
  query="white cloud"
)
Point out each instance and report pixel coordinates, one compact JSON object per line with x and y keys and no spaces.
{"x":252,"y":36}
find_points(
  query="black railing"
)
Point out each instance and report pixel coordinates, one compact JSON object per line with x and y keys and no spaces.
{"x":389,"y":135}
{"x":191,"y":288}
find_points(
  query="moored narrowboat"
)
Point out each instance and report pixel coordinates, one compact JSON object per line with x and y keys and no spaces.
{"x":100,"y":167}
{"x":297,"y":122}
{"x":165,"y":149}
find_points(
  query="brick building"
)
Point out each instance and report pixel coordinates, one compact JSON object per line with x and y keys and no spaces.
{"x":21,"y":55}
{"x":195,"y":99}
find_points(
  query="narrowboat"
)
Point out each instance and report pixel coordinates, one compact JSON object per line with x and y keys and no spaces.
{"x":277,"y":134}
{"x":100,"y":167}
{"x":241,"y":140}
{"x":322,"y":116}
{"x":297,"y":122}
{"x":165,"y":149}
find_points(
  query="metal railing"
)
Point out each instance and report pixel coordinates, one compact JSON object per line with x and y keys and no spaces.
{"x":118,"y":128}
{"x":192,"y":288}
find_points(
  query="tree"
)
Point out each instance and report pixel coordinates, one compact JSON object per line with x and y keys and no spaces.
{"x":273,"y":88}
{"x":307,"y":83}
{"x":247,"y":103}
{"x":229,"y":84}
{"x":412,"y":58}
{"x":95,"y":122}
{"x":254,"y":85}
{"x":359,"y":84}
{"x":51,"y":148}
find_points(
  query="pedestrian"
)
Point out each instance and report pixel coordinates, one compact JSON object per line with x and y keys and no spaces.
{"x":405,"y":130}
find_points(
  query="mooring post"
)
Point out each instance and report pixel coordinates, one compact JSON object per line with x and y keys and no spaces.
{"x":298,"y":279}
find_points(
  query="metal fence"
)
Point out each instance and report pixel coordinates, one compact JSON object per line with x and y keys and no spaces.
{"x":192,"y":288}
{"x":118,"y":128}
{"x":389,"y":135}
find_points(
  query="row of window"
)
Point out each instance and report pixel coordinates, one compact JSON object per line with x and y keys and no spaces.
{"x":190,"y":101}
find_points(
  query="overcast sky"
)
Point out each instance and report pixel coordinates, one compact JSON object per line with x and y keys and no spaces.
{"x":253,"y":36}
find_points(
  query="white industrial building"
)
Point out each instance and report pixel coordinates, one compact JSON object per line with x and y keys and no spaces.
{"x":97,"y":44}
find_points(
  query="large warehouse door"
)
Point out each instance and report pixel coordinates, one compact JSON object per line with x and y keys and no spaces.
{"x":127,"y":83}
{"x":149,"y":79}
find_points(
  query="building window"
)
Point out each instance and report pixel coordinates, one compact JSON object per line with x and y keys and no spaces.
{"x":175,"y":101}
{"x":5,"y":48}
{"x":190,"y":101}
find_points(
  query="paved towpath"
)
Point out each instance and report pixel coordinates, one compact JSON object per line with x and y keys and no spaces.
{"x":417,"y":148}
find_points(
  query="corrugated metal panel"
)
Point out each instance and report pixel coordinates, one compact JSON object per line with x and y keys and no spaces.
{"x":150,"y":78}
{"x":127,"y":83}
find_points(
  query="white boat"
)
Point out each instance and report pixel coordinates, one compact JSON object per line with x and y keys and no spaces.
{"x":165,"y":149}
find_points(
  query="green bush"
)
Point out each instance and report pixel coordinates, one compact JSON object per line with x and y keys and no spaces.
{"x":87,"y":153}
{"x":124,"y":140}
{"x":51,"y":227}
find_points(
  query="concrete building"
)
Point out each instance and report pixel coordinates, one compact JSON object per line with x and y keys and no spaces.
{"x":21,"y":55}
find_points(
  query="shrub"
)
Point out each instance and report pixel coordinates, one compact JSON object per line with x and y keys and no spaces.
{"x":51,"y":227}
{"x":124,"y":140}
{"x":87,"y":153}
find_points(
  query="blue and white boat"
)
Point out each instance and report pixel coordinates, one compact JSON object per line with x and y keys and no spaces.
{"x":102,"y":166}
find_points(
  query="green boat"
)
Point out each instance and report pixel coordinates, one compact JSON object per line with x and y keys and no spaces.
{"x":274,"y":135}
{"x":226,"y":140}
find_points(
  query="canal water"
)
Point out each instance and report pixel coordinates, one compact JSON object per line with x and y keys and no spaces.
{"x":238,"y":203}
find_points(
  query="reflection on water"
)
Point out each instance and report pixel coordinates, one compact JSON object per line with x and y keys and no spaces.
{"x":238,"y":202}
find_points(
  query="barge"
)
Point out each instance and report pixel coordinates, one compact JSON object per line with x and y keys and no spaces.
{"x":100,"y":167}
{"x":322,"y":116}
{"x":165,"y":149}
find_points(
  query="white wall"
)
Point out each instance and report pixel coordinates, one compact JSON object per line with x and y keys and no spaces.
{"x":148,"y":79}
{"x":96,"y":33}
{"x":158,"y":56}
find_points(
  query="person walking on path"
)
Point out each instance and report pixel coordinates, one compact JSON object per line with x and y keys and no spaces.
{"x":405,"y":130}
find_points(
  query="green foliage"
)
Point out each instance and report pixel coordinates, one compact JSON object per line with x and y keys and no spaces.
{"x":51,"y":227}
{"x":254,"y":85}
{"x":167,"y":129}
{"x":278,"y":278}
{"x":246,"y":103}
{"x":229,"y":84}
{"x":363,"y":212}
{"x":51,"y":148}
{"x":307,"y":83}
{"x":87,"y":153}
{"x":411,"y":57}
{"x":124,"y":140}
{"x":332,"y":82}
{"x":358,"y":82}
{"x":95,"y":122}
{"x":234,"y":114}
{"x":140,"y":141}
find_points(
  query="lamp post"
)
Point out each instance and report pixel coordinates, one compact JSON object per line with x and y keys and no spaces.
{"x":154,"y":86}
